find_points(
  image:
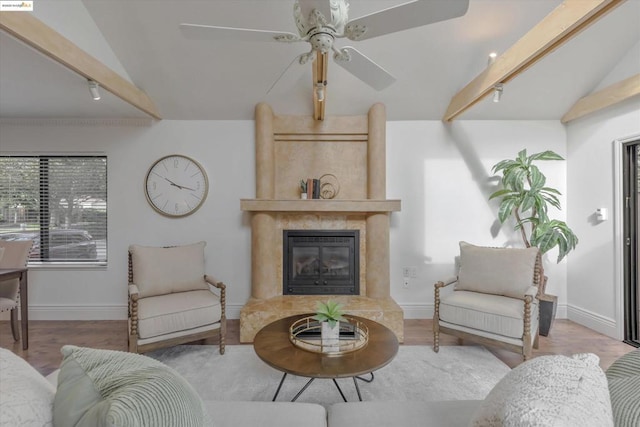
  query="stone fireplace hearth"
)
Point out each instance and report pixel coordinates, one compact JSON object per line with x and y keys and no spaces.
{"x":291,"y":148}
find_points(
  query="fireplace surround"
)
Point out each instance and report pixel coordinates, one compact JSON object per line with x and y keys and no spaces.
{"x":289,"y":148}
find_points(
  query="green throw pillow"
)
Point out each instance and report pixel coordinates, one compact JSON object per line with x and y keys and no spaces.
{"x":114,"y":388}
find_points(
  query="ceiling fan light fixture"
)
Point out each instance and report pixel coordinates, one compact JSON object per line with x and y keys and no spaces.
{"x":94,"y":89}
{"x":319,"y":91}
{"x":497,"y":92}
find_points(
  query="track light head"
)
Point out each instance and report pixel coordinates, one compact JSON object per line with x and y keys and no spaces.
{"x":497,"y":92}
{"x":94,"y":89}
{"x":492,"y":58}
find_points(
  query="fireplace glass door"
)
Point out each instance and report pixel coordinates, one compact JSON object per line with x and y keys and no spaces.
{"x":318,"y":262}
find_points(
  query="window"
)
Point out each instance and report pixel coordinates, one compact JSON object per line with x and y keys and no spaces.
{"x":59,"y":202}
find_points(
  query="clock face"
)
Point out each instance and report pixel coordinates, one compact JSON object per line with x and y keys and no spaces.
{"x":176,"y":186}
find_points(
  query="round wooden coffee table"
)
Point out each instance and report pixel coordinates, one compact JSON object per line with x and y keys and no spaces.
{"x":273,"y":346}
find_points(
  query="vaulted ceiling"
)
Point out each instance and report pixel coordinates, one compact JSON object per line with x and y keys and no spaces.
{"x":215,"y":80}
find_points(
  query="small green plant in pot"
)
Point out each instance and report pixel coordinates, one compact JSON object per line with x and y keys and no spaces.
{"x":330,"y":312}
{"x":526,"y":198}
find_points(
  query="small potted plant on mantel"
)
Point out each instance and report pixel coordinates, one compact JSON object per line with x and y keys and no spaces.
{"x":303,"y":189}
{"x":329,"y":314}
{"x":526,"y":198}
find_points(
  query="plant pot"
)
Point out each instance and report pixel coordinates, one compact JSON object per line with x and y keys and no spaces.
{"x":548,"y":306}
{"x":330,"y":337}
{"x":303,"y":196}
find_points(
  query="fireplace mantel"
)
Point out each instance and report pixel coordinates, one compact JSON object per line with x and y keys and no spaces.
{"x":320,"y":205}
{"x":288,"y":149}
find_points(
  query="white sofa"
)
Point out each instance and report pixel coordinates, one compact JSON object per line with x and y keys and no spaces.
{"x":545,"y":391}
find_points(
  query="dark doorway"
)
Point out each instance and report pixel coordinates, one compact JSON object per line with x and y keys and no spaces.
{"x":631,"y":209}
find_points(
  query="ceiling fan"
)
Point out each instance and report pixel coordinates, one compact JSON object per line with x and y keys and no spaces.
{"x":321,"y":22}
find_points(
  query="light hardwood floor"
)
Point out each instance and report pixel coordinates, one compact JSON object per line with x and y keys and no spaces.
{"x":46,"y":338}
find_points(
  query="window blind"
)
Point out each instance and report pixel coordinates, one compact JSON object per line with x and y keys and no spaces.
{"x":59,"y":202}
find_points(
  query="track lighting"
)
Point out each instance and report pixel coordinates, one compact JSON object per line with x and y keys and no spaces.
{"x":492,"y":58}
{"x":93,"y":88}
{"x":497,"y":92}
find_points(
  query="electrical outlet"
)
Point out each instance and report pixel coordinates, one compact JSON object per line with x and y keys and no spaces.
{"x":405,"y":283}
{"x":406,"y":272}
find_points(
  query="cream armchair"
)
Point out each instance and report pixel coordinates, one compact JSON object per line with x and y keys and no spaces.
{"x":13,"y":254}
{"x":494,"y":300}
{"x":171,"y":300}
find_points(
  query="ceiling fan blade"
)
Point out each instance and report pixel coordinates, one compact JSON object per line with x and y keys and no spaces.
{"x":323,"y":6}
{"x":404,"y":16}
{"x":366,"y":70}
{"x":209,"y":32}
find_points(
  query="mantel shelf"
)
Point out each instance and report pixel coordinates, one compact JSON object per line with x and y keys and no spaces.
{"x":320,"y":205}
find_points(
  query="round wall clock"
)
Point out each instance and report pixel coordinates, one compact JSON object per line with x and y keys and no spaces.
{"x":176,"y":186}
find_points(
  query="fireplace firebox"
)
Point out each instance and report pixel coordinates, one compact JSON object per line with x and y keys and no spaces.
{"x":319,"y":262}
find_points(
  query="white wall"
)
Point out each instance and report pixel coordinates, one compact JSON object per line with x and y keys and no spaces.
{"x":225,"y":149}
{"x":592,"y":289}
{"x":441,"y":173}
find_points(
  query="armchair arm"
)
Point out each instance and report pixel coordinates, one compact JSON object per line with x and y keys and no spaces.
{"x":133,"y":309}
{"x":447,"y":282}
{"x":223,"y":292}
{"x":133,"y":291}
{"x":532,"y":292}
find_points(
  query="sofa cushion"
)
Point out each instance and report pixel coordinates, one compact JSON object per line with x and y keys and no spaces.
{"x":182,"y":311}
{"x":624,"y":386}
{"x":114,"y":388}
{"x":266,"y":414}
{"x":491,"y":313}
{"x":452,"y":413}
{"x":549,"y":391}
{"x":26,"y":397}
{"x":498,"y":271}
{"x":160,"y":271}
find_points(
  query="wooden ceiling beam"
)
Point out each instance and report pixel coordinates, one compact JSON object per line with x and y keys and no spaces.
{"x":563,"y":23}
{"x":604,"y":98}
{"x":30,"y":30}
{"x":320,"y":66}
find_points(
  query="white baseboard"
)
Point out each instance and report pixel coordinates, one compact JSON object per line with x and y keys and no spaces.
{"x":119,"y":312}
{"x":604,"y":325}
{"x":77,"y":312}
{"x":95,"y":312}
{"x":417,"y":311}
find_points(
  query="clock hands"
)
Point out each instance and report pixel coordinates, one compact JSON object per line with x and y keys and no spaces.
{"x":181,"y":187}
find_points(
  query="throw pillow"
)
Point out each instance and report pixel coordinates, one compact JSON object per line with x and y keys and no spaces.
{"x":114,"y":388}
{"x":549,"y":391}
{"x":161,"y":271}
{"x":497,"y":271}
{"x":26,"y":397}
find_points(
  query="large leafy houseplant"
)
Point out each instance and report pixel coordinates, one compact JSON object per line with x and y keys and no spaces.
{"x":526,"y":197}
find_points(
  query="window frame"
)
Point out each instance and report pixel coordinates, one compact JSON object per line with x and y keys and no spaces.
{"x":44,"y":226}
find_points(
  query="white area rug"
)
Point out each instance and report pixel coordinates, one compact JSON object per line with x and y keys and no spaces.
{"x":416,"y":374}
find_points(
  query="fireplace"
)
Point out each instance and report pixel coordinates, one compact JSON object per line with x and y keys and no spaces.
{"x":321,"y":262}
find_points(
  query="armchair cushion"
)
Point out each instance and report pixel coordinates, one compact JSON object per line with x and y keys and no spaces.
{"x":161,"y":271}
{"x":491,"y":313}
{"x":497,"y":271}
{"x":104,"y":387}
{"x":549,"y":391}
{"x":164,"y":314}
